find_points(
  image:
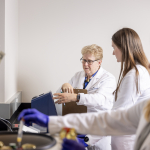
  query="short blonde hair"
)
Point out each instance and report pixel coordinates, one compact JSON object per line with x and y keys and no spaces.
{"x":94,"y":49}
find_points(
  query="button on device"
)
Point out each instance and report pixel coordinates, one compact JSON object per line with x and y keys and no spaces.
{"x":86,"y":139}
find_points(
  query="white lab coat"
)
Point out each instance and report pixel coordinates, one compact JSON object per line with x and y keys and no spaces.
{"x":99,"y":97}
{"x":128,"y":96}
{"x":116,"y":122}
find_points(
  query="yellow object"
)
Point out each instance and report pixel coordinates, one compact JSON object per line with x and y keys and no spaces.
{"x":19,"y":139}
{"x":6,"y":148}
{"x":1,"y":144}
{"x":28,"y":146}
{"x":68,"y":133}
{"x":62,"y":134}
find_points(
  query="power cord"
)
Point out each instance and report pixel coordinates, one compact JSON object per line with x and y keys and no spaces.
{"x":6,"y":122}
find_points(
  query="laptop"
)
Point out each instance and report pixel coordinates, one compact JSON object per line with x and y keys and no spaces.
{"x":45,"y":104}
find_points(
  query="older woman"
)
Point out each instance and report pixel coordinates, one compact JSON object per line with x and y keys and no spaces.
{"x":100,"y":86}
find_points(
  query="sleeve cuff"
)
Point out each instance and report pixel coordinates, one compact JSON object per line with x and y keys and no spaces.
{"x":54,"y":125}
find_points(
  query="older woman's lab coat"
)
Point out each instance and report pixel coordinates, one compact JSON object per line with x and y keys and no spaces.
{"x":116,"y":122}
{"x":99,"y":97}
{"x":128,"y":96}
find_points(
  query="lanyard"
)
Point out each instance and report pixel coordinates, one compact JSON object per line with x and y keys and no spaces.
{"x":86,"y":81}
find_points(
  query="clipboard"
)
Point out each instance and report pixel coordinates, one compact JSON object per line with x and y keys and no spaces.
{"x":80,"y":91}
{"x":72,"y":107}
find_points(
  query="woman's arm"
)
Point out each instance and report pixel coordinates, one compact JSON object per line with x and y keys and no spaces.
{"x":117,"y":122}
{"x":103,"y":96}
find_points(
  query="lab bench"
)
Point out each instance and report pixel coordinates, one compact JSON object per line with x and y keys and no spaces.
{"x":13,"y":119}
{"x":15,"y":125}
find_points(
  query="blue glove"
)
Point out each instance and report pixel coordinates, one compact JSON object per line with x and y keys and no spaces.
{"x":80,"y":140}
{"x":34,"y":116}
{"x":72,"y":145}
{"x":81,"y":136}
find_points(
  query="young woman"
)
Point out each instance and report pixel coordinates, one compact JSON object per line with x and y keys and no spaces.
{"x":133,"y":84}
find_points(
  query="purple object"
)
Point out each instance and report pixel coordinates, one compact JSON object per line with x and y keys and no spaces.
{"x":72,"y":145}
{"x":34,"y":116}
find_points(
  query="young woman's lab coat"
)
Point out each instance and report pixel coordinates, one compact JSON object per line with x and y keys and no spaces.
{"x":99,"y":97}
{"x":116,"y":122}
{"x":128,"y":96}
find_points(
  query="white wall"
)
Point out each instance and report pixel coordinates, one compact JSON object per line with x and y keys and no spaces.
{"x":11,"y":48}
{"x":2,"y":47}
{"x":53,"y":32}
{"x":9,"y":44}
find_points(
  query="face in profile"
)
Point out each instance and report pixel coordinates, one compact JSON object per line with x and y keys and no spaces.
{"x":117,"y":52}
{"x":90,"y":68}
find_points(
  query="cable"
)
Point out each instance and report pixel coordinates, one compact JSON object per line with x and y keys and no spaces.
{"x":6,"y":121}
{"x":6,"y":124}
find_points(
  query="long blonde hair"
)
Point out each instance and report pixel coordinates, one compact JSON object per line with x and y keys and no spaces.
{"x":147,"y":111}
{"x":128,"y":41}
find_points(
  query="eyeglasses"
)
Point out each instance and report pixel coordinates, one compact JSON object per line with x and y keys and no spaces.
{"x":90,"y":62}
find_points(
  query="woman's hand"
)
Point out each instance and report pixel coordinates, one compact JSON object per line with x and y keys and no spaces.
{"x":72,"y":145}
{"x":67,"y":88}
{"x":34,"y":116}
{"x":65,"y":97}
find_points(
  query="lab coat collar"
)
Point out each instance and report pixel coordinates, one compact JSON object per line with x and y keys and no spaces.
{"x":81,"y":80}
{"x":95,"y":78}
